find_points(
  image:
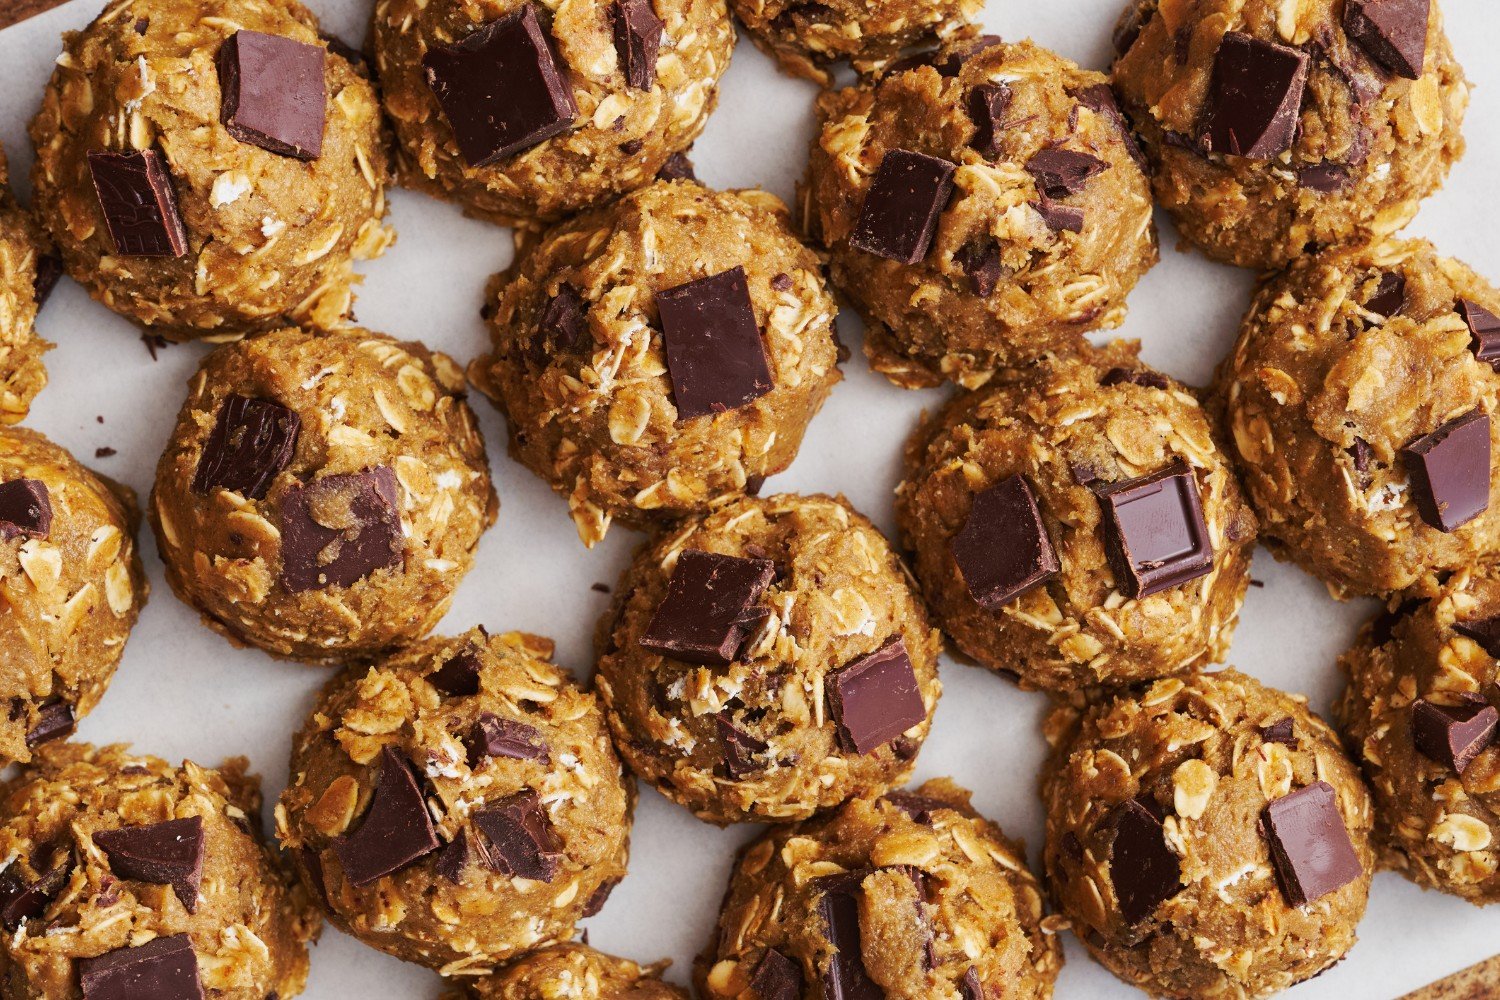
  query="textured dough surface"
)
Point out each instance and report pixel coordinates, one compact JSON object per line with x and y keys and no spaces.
{"x":806,"y":37}
{"x":22,"y":374}
{"x":575,"y":972}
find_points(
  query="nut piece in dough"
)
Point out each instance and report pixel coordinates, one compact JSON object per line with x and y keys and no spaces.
{"x":982,"y":206}
{"x":1206,"y":836}
{"x":119,"y":859}
{"x":71,"y":585}
{"x":1357,"y":402}
{"x":1273,"y":126}
{"x":459,"y":803}
{"x":241,"y":238}
{"x":1057,"y":461}
{"x":912,"y":896}
{"x":642,"y":417}
{"x":808,"y":676}
{"x":323,"y":494}
{"x":575,"y":972}
{"x":22,"y":374}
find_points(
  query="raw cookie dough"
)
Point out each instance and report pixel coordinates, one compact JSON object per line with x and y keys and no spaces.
{"x":1419,"y":714}
{"x":982,"y":205}
{"x":807,"y":676}
{"x":575,"y":972}
{"x":190,"y":226}
{"x":459,"y":803}
{"x":1206,"y":836}
{"x":642,"y":418}
{"x":71,"y":587}
{"x":806,"y":37}
{"x":1029,"y":508}
{"x":128,"y":871}
{"x":1275,"y":128}
{"x":1357,"y":402}
{"x":610,"y":90}
{"x":22,"y":374}
{"x":913,"y":896}
{"x":323,"y":494}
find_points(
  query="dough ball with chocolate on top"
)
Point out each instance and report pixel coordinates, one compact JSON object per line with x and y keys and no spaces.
{"x":459,"y":803}
{"x":26,"y":278}
{"x":769,"y":660}
{"x":580,"y":972}
{"x":323,"y":494}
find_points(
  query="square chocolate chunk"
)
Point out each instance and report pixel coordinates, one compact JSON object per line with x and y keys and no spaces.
{"x":715,"y":355}
{"x":710,"y":608}
{"x":875,"y":699}
{"x":1254,"y":97}
{"x":1449,"y":471}
{"x":253,"y":440}
{"x":1003,"y":550}
{"x":164,"y":968}
{"x":900,"y":214}
{"x":1154,"y":533}
{"x":139,"y":203}
{"x":1392,"y":32}
{"x":337,"y":530}
{"x":273,"y":94}
{"x":1310,"y":845}
{"x":522,"y":842}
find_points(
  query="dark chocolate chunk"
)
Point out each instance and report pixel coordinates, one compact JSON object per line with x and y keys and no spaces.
{"x":337,"y":530}
{"x":164,"y":968}
{"x":459,"y":677}
{"x":1323,"y":177}
{"x":952,"y":63}
{"x":1255,"y":97}
{"x":55,"y":720}
{"x":105,"y":452}
{"x":845,"y":978}
{"x":253,"y":440}
{"x":1309,"y":843}
{"x":457,"y":857}
{"x":740,"y":748}
{"x":637,"y":41}
{"x":987,"y":104}
{"x":919,"y":807}
{"x":900,"y":213}
{"x":1059,"y":218}
{"x":1363,"y":455}
{"x":1063,"y":172}
{"x":501,"y":89}
{"x":709,"y":609}
{"x":600,"y":897}
{"x":1143,"y":868}
{"x":875,"y":699}
{"x":981,"y":261}
{"x":677,"y":168}
{"x":396,"y":830}
{"x":1143,"y":377}
{"x":715,"y":356}
{"x":1279,"y":731}
{"x":25,"y":509}
{"x":1100,"y":99}
{"x":971,"y":987}
{"x":273,"y":93}
{"x":24,"y":899}
{"x":564,"y":322}
{"x":492,"y":736}
{"x":1392,"y":32}
{"x":776,"y":977}
{"x":1449,"y":471}
{"x":1453,"y":735}
{"x":139,"y":203}
{"x":522,"y":842}
{"x":1389,"y":296}
{"x":1383,"y":625}
{"x":1484,"y":332}
{"x":1154,"y":533}
{"x":310,"y":864}
{"x":169,"y":853}
{"x":1485,"y":631}
{"x":1003,"y":550}
{"x":354,"y":57}
{"x":49,"y":269}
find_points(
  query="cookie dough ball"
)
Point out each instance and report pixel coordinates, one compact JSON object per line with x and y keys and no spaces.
{"x":459,"y":803}
{"x":982,"y":206}
{"x":1206,"y":836}
{"x":1074,"y":523}
{"x":525,"y":112}
{"x":910,"y":895}
{"x":322,"y":494}
{"x":71,"y":587}
{"x":805,"y":38}
{"x":22,"y":374}
{"x":662,"y":354}
{"x":126,"y":872}
{"x":211,"y":169}
{"x":1357,"y":401}
{"x":768,"y":661}
{"x":577,"y":972}
{"x":1272,"y":128}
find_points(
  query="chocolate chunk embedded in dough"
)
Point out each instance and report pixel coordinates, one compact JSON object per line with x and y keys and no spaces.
{"x":1144,"y":870}
{"x":396,"y":830}
{"x":900,"y":213}
{"x":337,"y":530}
{"x":25,"y":509}
{"x":253,"y":440}
{"x":55,"y":720}
{"x":164,"y":968}
{"x":1485,"y":631}
{"x":139,"y":203}
{"x":1449,"y":471}
{"x":1255,"y":97}
{"x":845,"y":977}
{"x":1063,"y":172}
{"x":987,"y":104}
{"x":1154,"y":532}
{"x":638,"y":34}
{"x":522,"y":842}
{"x":167,"y":853}
{"x":709,"y":609}
{"x":1309,"y":844}
{"x":1453,"y":735}
{"x":715,"y":355}
{"x":1392,"y":32}
{"x":875,"y":699}
{"x":273,"y":93}
{"x":1003,"y":550}
{"x":492,"y":736}
{"x":1484,"y":332}
{"x":776,"y":977}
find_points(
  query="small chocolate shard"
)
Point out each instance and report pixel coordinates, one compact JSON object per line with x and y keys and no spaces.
{"x":919,"y":807}
{"x":1059,"y":218}
{"x":1143,"y":868}
{"x":25,"y":509}
{"x":600,"y":897}
{"x":953,"y":62}
{"x":397,"y":829}
{"x":1324,"y":178}
{"x":1255,"y":97}
{"x":845,"y":977}
{"x":1309,"y":843}
{"x":459,"y":677}
{"x":1003,"y":550}
{"x":1279,"y":731}
{"x":1392,"y":32}
{"x":492,"y":736}
{"x":1154,"y":532}
{"x":971,"y":987}
{"x":459,"y":856}
{"x":776,"y":977}
{"x":522,"y":842}
{"x":1100,"y":99}
{"x":1060,"y":173}
{"x":900,"y":214}
{"x":1449,"y":471}
{"x":1389,"y":296}
{"x":715,"y":355}
{"x":1453,"y":735}
{"x":987,"y":105}
{"x":677,"y":168}
{"x":252,"y":442}
{"x":740,"y":748}
{"x":1485,"y":631}
{"x":55,"y":721}
{"x":564,"y":323}
{"x":168,"y":853}
{"x":1143,"y":377}
{"x":875,"y":699}
{"x":139,"y":203}
{"x":638,"y":33}
{"x":22,"y":899}
{"x":337,"y":530}
{"x":710,"y":608}
{"x":981,"y":261}
{"x":1484,"y":332}
{"x":49,"y":270}
{"x":164,"y":968}
{"x":273,"y":93}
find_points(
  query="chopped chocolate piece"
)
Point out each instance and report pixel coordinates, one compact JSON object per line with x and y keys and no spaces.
{"x":1362,"y":454}
{"x":919,"y":807}
{"x":1389,"y":296}
{"x":1144,"y":870}
{"x":953,"y":63}
{"x":709,"y":609}
{"x":677,"y":168}
{"x":1100,"y":99}
{"x":564,"y":322}
{"x":1143,"y":377}
{"x":105,"y":452}
{"x":600,"y":897}
{"x":1279,"y":731}
{"x":456,"y":858}
{"x":169,"y":853}
{"x":1383,"y":627}
{"x":354,"y":57}
{"x":782,"y":282}
{"x":1154,"y":532}
{"x":845,"y":977}
{"x":740,"y":748}
{"x":1309,"y":844}
{"x":139,"y":203}
{"x":1003,"y":550}
{"x":715,"y":356}
{"x":987,"y":104}
{"x":459,"y":677}
{"x":632,"y":146}
{"x":501,"y":89}
{"x":49,"y":268}
{"x":25,"y":509}
{"x":1484,"y":332}
{"x":337,"y":530}
{"x":1392,"y":32}
{"x":164,"y":968}
{"x":875,"y":699}
{"x":776,"y":977}
{"x":522,"y":841}
{"x":981,"y":261}
{"x":492,"y":736}
{"x":900,"y":214}
{"x":1323,"y":177}
{"x":311,"y":864}
{"x":1255,"y":97}
{"x":1453,"y":735}
{"x":397,"y":829}
{"x":273,"y":93}
{"x":637,"y":41}
{"x":1059,"y":218}
{"x":1063,"y":172}
{"x":253,"y":440}
{"x":1449,"y":471}
{"x":55,"y":720}
{"x":971,"y":987}
{"x":21,"y":900}
{"x":1485,"y":631}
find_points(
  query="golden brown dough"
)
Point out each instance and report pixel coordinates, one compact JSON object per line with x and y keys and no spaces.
{"x":805,"y":38}
{"x":575,"y":972}
{"x":22,"y":374}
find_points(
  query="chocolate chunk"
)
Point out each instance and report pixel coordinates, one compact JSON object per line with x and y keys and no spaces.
{"x":564,"y":322}
{"x":253,"y":440}
{"x":1392,"y":32}
{"x":637,"y":41}
{"x":845,"y":978}
{"x":49,"y":269}
{"x":1144,"y":870}
{"x":25,"y":509}
{"x":1063,"y":172}
{"x":1453,"y":735}
{"x":1154,"y":534}
{"x":22,"y":900}
{"x":1484,"y":332}
{"x":522,"y":842}
{"x":1279,"y":731}
{"x":169,"y":853}
{"x":1059,"y":218}
{"x":715,"y":355}
{"x":919,"y":807}
{"x":161,"y":969}
{"x":1310,"y":846}
{"x":952,"y":63}
{"x":709,"y":609}
{"x":1449,"y":471}
{"x":600,"y":897}
{"x":875,"y":699}
{"x":273,"y":93}
{"x":971,"y":987}
{"x":337,"y":530}
{"x":139,"y":203}
{"x":677,"y":168}
{"x":1323,"y":178}
{"x":1143,"y":377}
{"x":900,"y":214}
{"x":1389,"y":296}
{"x":740,"y":748}
{"x":501,"y":89}
{"x":1003,"y":550}
{"x":987,"y":104}
{"x":354,"y":57}
{"x":459,"y":677}
{"x":396,"y":830}
{"x":55,"y":720}
{"x":492,"y":736}
{"x":1100,"y":99}
{"x":1255,"y":97}
{"x":981,"y":261}
{"x":776,"y":977}
{"x":1485,"y":631}
{"x":457,"y":857}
